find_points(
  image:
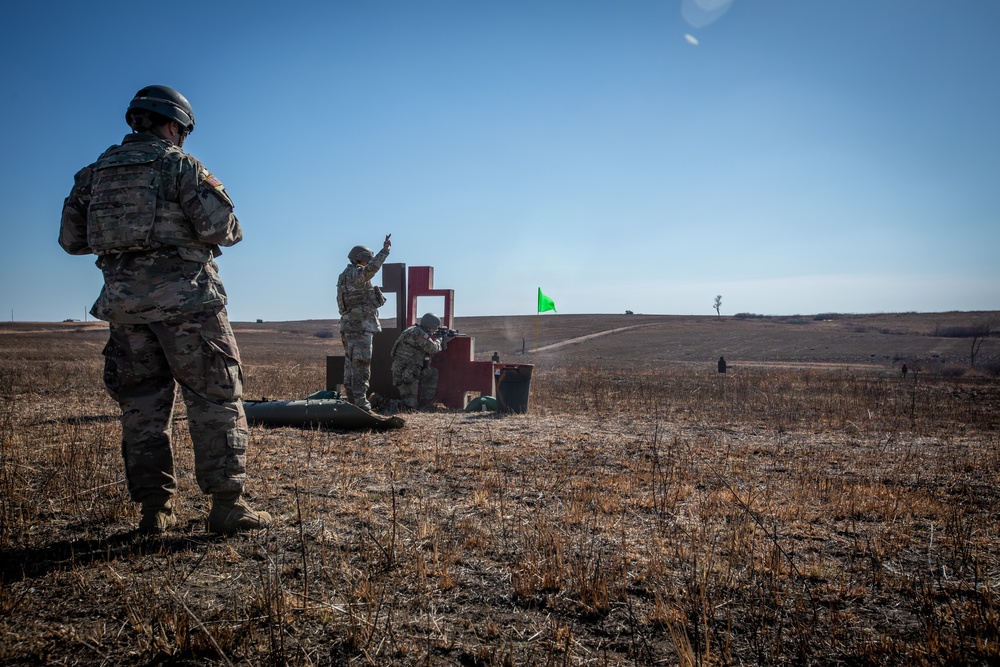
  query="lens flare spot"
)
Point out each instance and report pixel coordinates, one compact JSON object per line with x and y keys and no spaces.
{"x":700,"y":13}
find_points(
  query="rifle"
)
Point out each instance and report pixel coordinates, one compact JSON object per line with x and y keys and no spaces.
{"x":445,"y":332}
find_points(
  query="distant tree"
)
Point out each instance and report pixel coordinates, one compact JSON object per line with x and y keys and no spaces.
{"x":629,"y":312}
{"x":980,"y":332}
{"x":717,"y":305}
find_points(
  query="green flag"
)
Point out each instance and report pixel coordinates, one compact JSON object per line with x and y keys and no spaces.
{"x":545,"y":303}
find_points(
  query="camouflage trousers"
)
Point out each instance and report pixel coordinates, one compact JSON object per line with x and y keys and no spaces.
{"x":143,"y":364}
{"x":416,"y":386}
{"x":357,"y":365}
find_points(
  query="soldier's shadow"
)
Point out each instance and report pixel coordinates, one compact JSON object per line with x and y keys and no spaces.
{"x":31,"y":563}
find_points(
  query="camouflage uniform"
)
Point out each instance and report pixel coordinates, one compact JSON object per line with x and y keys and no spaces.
{"x":409,"y":374}
{"x":358,"y":302}
{"x":156,"y":218}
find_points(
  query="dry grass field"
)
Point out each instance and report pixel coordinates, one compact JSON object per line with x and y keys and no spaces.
{"x":811,"y":506}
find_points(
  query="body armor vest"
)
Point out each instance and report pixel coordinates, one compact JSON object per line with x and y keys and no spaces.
{"x":411,"y":345}
{"x":349,"y":297}
{"x":128,"y":211}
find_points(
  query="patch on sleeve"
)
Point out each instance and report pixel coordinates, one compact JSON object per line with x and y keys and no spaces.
{"x":212,"y":180}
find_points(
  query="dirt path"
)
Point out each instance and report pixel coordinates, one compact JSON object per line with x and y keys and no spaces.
{"x":570,"y":341}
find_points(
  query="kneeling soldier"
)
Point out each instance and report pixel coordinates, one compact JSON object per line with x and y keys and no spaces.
{"x":412,"y":373}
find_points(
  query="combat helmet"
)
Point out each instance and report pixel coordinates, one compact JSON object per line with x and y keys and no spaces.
{"x":360,"y":253}
{"x":165,"y":101}
{"x":430,"y":321}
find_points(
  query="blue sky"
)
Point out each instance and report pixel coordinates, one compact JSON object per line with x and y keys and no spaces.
{"x":793,"y":156}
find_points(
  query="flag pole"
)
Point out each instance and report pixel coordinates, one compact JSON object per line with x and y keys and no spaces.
{"x":537,"y":315}
{"x":549,"y":305}
{"x":531,"y":388}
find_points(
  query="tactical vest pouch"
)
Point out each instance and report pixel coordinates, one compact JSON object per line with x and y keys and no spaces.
{"x":378,"y":299}
{"x":200,"y":255}
{"x":123,"y":200}
{"x":172,"y":227}
{"x":341,"y":293}
{"x":352,"y":298}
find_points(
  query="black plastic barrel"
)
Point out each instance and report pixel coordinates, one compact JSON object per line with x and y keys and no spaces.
{"x":514,"y":388}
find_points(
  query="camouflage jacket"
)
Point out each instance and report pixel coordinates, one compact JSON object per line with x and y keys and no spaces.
{"x":156,"y":218}
{"x":411,"y":347}
{"x":357,"y":299}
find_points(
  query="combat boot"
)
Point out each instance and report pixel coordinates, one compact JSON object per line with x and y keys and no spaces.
{"x":157,"y":515}
{"x":232,"y":514}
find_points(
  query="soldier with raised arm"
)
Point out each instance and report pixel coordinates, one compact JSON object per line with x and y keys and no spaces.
{"x":358,"y":302}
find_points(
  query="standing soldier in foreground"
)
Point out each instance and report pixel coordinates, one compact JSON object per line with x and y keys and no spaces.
{"x":412,"y":373}
{"x":358,"y":302}
{"x":155,"y":217}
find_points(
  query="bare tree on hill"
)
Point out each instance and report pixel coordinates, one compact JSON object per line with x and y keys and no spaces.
{"x":980,"y":332}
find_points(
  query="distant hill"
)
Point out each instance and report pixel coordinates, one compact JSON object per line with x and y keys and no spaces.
{"x":884,"y":340}
{"x":622,"y":341}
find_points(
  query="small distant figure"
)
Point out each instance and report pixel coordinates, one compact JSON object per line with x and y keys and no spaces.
{"x":496,"y":357}
{"x":722,"y":364}
{"x":904,"y":370}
